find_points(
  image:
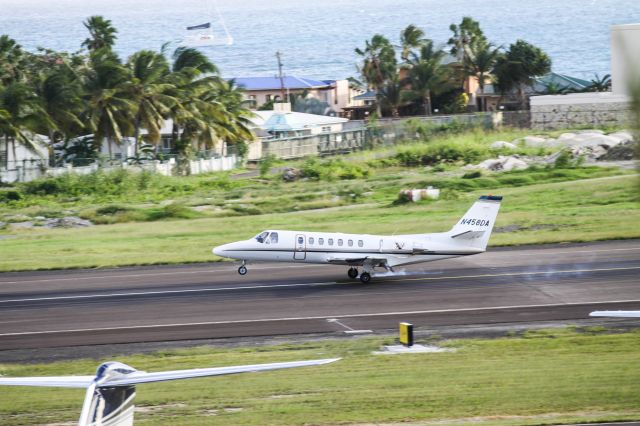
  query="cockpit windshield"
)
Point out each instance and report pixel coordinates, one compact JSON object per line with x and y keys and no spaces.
{"x":262,"y":236}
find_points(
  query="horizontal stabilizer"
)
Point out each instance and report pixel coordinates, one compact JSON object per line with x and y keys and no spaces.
{"x":468,"y":235}
{"x":143,"y":377}
{"x":619,"y":314}
{"x":136,"y":377}
{"x":58,"y":382}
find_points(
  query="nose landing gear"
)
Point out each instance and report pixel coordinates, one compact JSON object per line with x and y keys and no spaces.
{"x":353,"y":273}
{"x":242,"y":270}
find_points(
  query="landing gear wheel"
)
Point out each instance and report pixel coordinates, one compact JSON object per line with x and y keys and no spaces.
{"x":365,"y":277}
{"x":242,"y":270}
{"x":353,"y":273}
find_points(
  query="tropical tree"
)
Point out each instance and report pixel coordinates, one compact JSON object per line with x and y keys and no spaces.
{"x":149,"y":90}
{"x":600,"y":84}
{"x":467,"y":35}
{"x":481,"y":59}
{"x":426,"y":76}
{"x":101,"y":33}
{"x":391,"y":96}
{"x":378,"y":61}
{"x":20,"y":114}
{"x":110,"y":108}
{"x":11,"y":57}
{"x":518,"y":66}
{"x":410,"y":38}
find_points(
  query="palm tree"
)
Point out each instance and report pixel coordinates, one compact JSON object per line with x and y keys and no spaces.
{"x":427,"y":75}
{"x":20,"y":114}
{"x":391,"y":95}
{"x":11,"y":57}
{"x":379,"y":61}
{"x":110,"y":108}
{"x":410,"y":38}
{"x":480,"y":62}
{"x":102,"y":33}
{"x":149,"y":90}
{"x":466,"y":35}
{"x":600,"y":84}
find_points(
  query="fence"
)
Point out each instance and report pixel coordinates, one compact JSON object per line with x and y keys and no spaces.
{"x":322,"y":144}
{"x":28,"y":170}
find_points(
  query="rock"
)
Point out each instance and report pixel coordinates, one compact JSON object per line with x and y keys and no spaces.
{"x":68,"y":222}
{"x":2,"y":224}
{"x":591,"y":131}
{"x":502,"y":145}
{"x":621,"y":152}
{"x":623,"y":136}
{"x":534,"y":141}
{"x":21,"y":225}
{"x":566,"y":136}
{"x":513,"y":163}
{"x":291,"y":174}
{"x":503,"y":163}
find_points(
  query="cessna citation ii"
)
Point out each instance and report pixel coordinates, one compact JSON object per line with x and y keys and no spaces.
{"x":469,"y":236}
{"x":110,"y":393}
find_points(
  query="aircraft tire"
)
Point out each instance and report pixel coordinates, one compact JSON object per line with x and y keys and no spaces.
{"x":242,"y":270}
{"x":365,"y":277}
{"x":353,"y":273}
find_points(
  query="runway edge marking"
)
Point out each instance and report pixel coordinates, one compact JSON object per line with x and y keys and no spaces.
{"x":325,"y":317}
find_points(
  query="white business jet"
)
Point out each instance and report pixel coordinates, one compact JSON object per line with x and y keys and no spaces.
{"x":469,"y":236}
{"x":110,"y":393}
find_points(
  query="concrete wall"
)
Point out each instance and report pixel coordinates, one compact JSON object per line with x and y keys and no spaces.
{"x":625,"y":57}
{"x":593,"y":109}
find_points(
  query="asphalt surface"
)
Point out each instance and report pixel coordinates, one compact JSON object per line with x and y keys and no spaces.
{"x":526,"y":285}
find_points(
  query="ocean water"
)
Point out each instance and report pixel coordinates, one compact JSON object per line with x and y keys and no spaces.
{"x":317,"y":37}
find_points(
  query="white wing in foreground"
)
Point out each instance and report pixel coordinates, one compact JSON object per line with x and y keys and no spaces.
{"x":619,"y":314}
{"x":58,"y":382}
{"x":144,"y":377}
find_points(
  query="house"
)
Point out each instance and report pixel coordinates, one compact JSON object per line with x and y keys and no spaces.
{"x":284,"y":123}
{"x":336,"y":95}
{"x":17,"y":163}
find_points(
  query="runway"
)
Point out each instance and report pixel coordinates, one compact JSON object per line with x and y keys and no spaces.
{"x":211,"y":301}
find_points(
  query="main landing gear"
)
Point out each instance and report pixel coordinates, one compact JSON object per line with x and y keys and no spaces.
{"x":365,"y":276}
{"x":242,"y":270}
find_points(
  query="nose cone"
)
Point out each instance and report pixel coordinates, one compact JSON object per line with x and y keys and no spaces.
{"x":221,"y":250}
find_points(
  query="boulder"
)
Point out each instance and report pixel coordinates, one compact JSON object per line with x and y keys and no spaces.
{"x":290,"y":174}
{"x":502,"y":145}
{"x":68,"y":222}
{"x":535,"y":141}
{"x":513,"y":163}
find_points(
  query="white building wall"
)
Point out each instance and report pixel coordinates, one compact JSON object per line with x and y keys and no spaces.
{"x":625,"y":57}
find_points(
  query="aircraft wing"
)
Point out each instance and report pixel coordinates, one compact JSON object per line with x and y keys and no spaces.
{"x":620,"y":314}
{"x":59,"y":382}
{"x":356,"y":261}
{"x":468,"y":235}
{"x":144,"y":377}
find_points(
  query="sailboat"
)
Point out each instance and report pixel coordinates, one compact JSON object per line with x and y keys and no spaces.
{"x":203,"y":34}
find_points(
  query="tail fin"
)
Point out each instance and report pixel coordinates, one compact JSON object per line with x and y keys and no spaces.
{"x":474,"y":229}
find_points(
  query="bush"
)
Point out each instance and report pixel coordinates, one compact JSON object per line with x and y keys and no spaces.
{"x":7,"y":196}
{"x":472,"y":175}
{"x":334,"y":169}
{"x":448,"y":152}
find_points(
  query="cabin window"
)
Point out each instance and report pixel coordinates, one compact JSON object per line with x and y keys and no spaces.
{"x":360,"y":243}
{"x":300,"y":240}
{"x":350,"y":243}
{"x":321,"y":241}
{"x":260,"y":238}
{"x":274,"y":237}
{"x":311,"y":240}
{"x":340,"y":242}
{"x":330,"y":241}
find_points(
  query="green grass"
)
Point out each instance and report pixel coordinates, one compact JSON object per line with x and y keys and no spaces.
{"x":544,"y":377}
{"x":597,"y":209}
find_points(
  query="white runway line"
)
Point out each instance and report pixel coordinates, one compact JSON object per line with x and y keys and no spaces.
{"x":325,"y":317}
{"x":317,"y":284}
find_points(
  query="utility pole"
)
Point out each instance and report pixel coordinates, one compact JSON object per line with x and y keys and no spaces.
{"x":282,"y":91}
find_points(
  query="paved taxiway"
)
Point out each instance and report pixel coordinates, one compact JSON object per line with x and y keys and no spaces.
{"x":205,"y":301}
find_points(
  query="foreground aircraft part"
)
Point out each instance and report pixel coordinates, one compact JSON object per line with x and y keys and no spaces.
{"x":110,"y":393}
{"x":616,"y":314}
{"x":467,"y":237}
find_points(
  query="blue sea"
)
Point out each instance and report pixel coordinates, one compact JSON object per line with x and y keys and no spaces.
{"x":317,"y":37}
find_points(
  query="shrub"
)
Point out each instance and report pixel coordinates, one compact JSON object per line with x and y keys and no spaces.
{"x":334,"y":169}
{"x":10,"y":195}
{"x":472,"y":174}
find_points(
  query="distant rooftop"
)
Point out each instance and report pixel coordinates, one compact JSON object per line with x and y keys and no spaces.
{"x":273,"y":83}
{"x":288,"y":121}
